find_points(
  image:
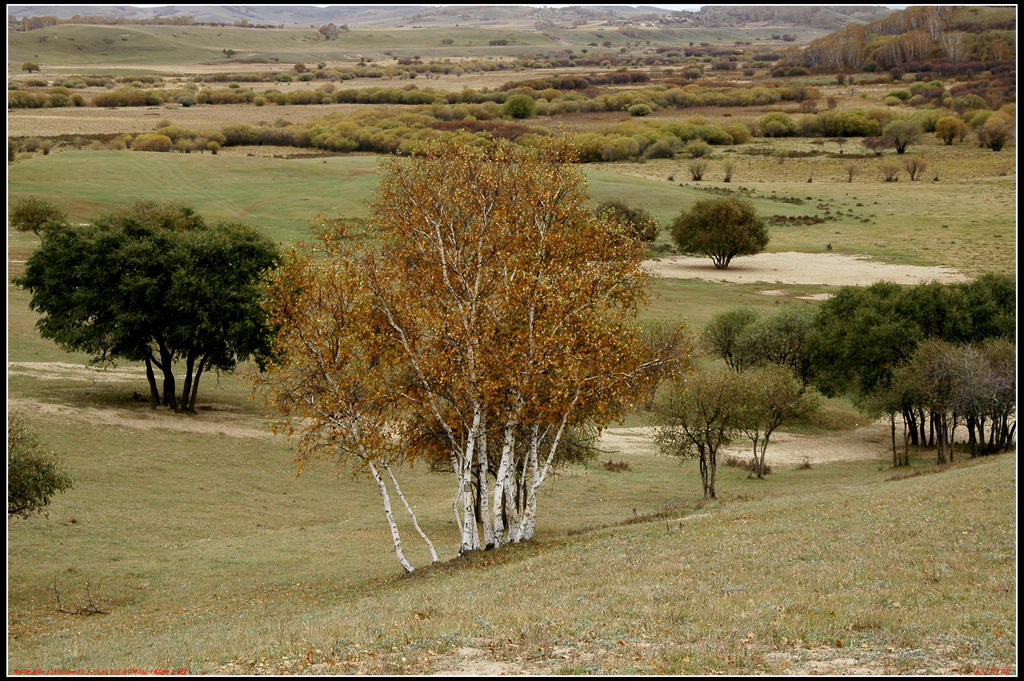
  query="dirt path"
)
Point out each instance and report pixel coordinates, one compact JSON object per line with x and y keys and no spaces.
{"x":801,"y":268}
{"x":869,"y":441}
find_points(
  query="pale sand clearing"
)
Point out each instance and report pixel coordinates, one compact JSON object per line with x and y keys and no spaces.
{"x":800,"y":268}
{"x":869,"y":441}
{"x":212,"y":419}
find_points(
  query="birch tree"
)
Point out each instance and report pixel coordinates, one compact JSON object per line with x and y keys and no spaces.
{"x":701,"y":413}
{"x":493,"y":320}
{"x":333,"y":379}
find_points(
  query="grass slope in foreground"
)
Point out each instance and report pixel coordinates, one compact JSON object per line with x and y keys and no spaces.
{"x":209,"y":554}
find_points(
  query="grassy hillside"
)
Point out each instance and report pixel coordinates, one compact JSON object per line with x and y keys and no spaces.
{"x":75,"y":45}
{"x":964,"y":222}
{"x":208,"y":554}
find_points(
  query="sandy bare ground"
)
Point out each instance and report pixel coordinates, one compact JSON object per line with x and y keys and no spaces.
{"x":869,"y":441}
{"x":801,"y":268}
{"x":212,"y":419}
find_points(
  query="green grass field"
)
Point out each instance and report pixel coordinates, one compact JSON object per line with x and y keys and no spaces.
{"x":962,"y":224}
{"x":73,"y":46}
{"x":208,"y":554}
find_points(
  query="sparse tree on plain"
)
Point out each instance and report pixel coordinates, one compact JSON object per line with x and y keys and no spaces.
{"x":700,"y":412}
{"x":153,"y":283}
{"x":728,"y":165}
{"x":721,"y":229}
{"x":901,"y":134}
{"x":950,"y":128}
{"x":32,"y":214}
{"x":769,"y":395}
{"x":697,"y":168}
{"x":995,"y":132}
{"x":34,"y":475}
{"x":890,"y":172}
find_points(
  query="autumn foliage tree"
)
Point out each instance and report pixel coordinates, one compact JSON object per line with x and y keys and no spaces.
{"x":490,"y":317}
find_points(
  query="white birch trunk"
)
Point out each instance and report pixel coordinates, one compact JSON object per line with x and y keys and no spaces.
{"x":391,"y":518}
{"x":525,"y":530}
{"x":483,"y":486}
{"x":415,"y":523}
{"x":470,"y":538}
{"x":501,"y":497}
{"x":530,"y":512}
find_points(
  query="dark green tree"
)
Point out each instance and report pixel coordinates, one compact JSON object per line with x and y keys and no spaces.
{"x":154,"y":283}
{"x":721,"y":229}
{"x":33,"y":473}
{"x":638,"y":220}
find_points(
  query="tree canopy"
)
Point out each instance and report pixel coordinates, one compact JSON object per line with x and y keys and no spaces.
{"x":153,"y":283}
{"x":489,"y":319}
{"x":721,"y":229}
{"x":640,"y":222}
{"x":32,"y":214}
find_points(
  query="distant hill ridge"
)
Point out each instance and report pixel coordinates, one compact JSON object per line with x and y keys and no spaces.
{"x":465,"y":15}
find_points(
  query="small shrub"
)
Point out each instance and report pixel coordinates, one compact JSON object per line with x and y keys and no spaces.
{"x":615,"y":466}
{"x":639,"y":110}
{"x":914,"y":166}
{"x":744,"y":463}
{"x":728,"y":165}
{"x":33,"y":473}
{"x":697,"y":148}
{"x":697,"y":169}
{"x":519,"y":106}
{"x":152,"y":142}
{"x":890,"y":172}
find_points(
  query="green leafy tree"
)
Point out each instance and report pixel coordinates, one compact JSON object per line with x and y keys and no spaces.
{"x":779,"y":338}
{"x":519,"y":106}
{"x":901,"y":134}
{"x":33,"y":473}
{"x":721,"y":337}
{"x":30,"y":67}
{"x":637,"y":220}
{"x":861,"y":334}
{"x":769,"y":395}
{"x":722,"y":229}
{"x":701,"y":413}
{"x":32,"y":214}
{"x":153,"y":283}
{"x":996,"y":132}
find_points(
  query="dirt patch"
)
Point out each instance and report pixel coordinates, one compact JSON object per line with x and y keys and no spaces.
{"x":865,"y":661}
{"x":474,"y":662}
{"x":869,"y":441}
{"x":809,"y":296}
{"x":62,"y":371}
{"x":212,"y":419}
{"x":801,"y":268}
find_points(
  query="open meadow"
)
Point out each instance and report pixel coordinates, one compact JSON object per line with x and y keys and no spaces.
{"x":189,"y":542}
